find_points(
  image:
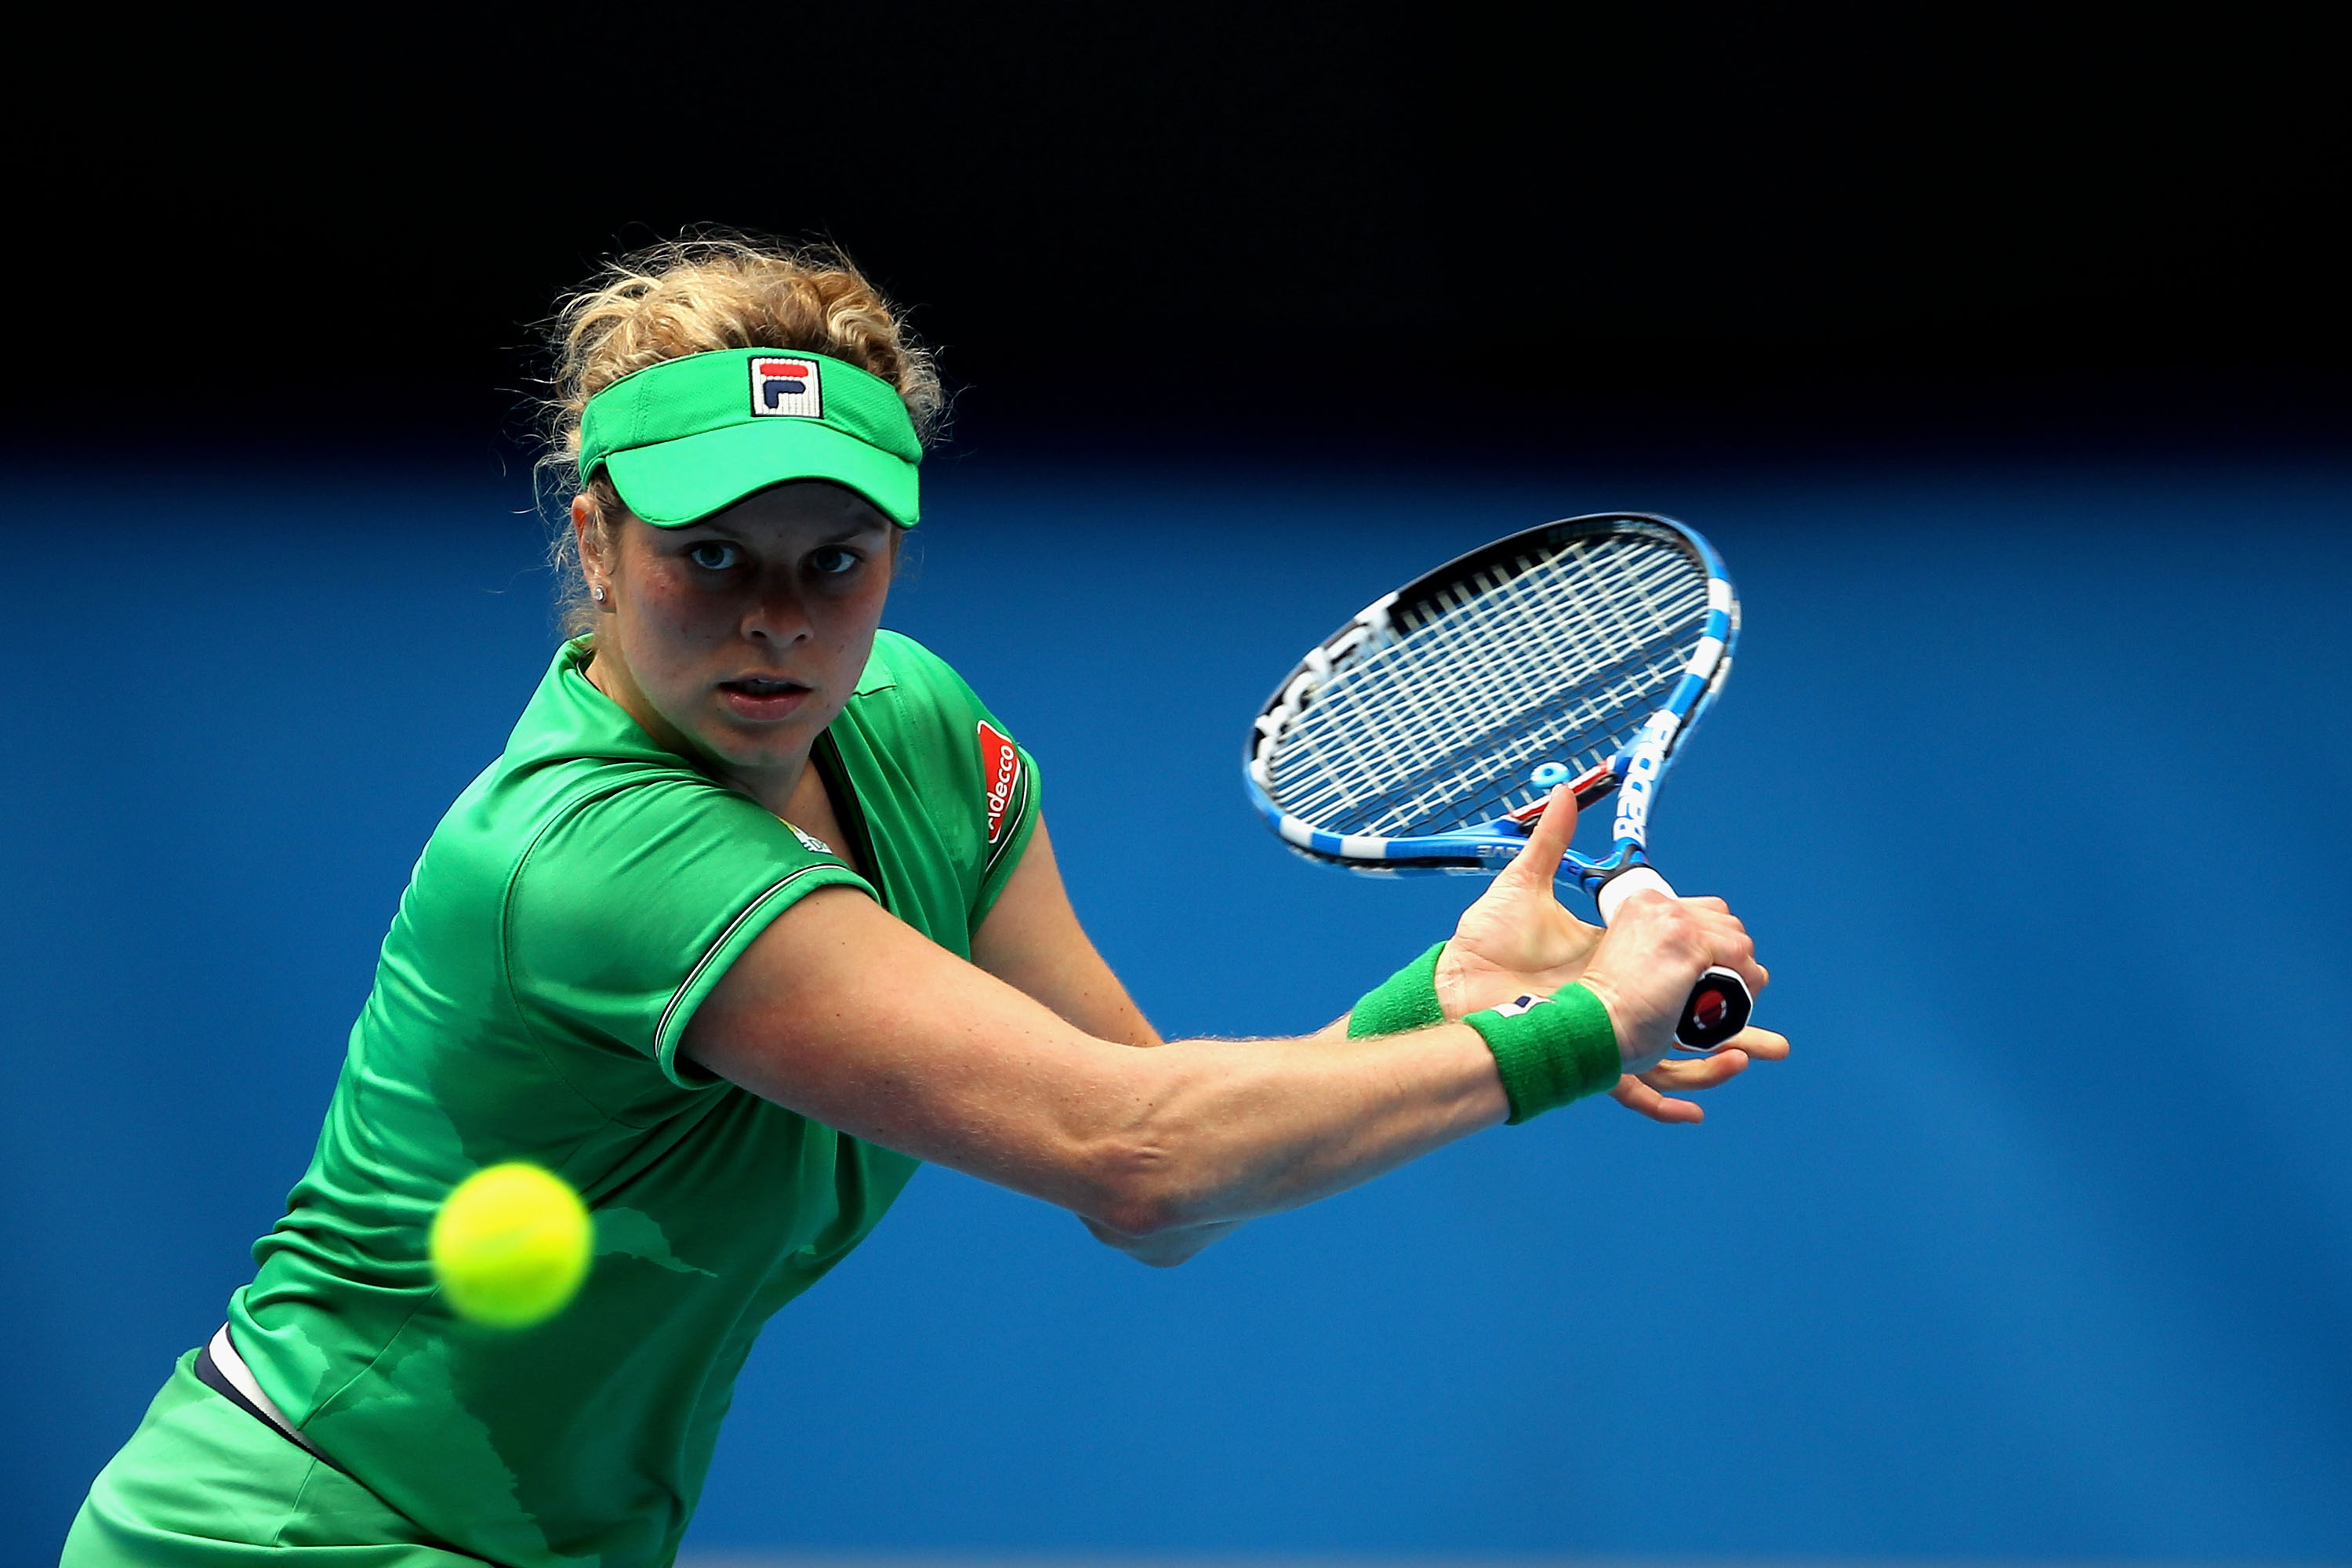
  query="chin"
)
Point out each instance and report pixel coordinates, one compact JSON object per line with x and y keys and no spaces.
{"x":752,"y":743}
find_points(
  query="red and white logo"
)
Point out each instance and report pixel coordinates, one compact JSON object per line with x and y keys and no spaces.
{"x":786,"y":385}
{"x":1000,"y":769}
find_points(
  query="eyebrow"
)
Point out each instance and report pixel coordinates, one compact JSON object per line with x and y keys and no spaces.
{"x":846,"y":531}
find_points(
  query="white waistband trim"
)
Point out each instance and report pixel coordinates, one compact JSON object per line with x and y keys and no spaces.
{"x":240,"y":1377}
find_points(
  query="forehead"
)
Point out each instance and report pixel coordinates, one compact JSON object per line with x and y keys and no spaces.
{"x":796,"y":508}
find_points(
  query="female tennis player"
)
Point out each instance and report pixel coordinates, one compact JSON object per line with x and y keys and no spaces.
{"x":755,"y":912}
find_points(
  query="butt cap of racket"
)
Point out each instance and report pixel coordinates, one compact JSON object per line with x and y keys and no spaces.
{"x":1719,"y":1008}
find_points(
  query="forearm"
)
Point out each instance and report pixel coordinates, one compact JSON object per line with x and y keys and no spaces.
{"x":1221,"y":1130}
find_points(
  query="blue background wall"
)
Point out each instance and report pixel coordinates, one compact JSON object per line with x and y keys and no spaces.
{"x":2031,"y":782}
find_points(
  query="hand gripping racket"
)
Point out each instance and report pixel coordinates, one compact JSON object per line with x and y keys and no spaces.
{"x":1426,"y":735}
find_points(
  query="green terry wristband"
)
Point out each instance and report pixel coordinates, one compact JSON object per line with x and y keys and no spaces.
{"x":1551,"y":1050}
{"x":1405,"y":1001}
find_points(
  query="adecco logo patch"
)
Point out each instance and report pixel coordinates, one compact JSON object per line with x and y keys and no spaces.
{"x":999,"y":770}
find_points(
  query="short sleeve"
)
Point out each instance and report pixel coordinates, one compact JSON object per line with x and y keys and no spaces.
{"x":628,"y":910}
{"x":977,"y":785}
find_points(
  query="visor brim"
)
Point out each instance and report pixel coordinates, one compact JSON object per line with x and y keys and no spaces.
{"x":673,"y":483}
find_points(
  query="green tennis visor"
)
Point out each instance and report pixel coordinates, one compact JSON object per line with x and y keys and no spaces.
{"x":686,"y":437}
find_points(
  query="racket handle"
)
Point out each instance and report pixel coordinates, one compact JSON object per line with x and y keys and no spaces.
{"x":1719,"y":1004}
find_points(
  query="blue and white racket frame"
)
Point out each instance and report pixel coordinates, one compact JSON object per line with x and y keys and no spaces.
{"x":1720,"y":1003}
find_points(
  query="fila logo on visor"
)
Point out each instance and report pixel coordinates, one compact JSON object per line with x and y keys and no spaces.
{"x":1000,"y":771}
{"x":786,"y":386}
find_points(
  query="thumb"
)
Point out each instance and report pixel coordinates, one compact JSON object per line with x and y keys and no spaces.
{"x":1539,"y":861}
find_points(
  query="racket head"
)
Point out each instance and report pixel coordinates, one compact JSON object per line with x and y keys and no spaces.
{"x":1405,"y":740}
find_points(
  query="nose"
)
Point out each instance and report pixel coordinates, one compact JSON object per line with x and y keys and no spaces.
{"x":776,"y":614}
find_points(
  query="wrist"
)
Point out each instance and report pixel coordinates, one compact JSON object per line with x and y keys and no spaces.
{"x":1550,"y":1051}
{"x":1615,"y":1007}
{"x":1405,"y":1001}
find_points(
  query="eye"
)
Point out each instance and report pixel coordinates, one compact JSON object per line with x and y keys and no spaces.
{"x":714,"y":555}
{"x":832,"y":561}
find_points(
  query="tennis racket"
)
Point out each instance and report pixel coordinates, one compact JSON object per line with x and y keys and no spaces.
{"x":1427,"y":734}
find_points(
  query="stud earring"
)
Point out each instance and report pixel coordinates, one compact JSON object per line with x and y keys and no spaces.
{"x":598,"y":593}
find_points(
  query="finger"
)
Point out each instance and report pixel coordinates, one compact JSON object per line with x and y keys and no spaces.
{"x":1730,"y":945}
{"x":1687,"y":1075}
{"x":1539,"y":861}
{"x":1761,"y":1044}
{"x":1641,"y":1099}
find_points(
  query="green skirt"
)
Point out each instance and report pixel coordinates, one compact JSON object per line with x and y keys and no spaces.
{"x":203,"y":1484}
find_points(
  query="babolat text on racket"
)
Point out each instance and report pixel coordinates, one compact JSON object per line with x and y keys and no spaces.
{"x":1427,"y":734}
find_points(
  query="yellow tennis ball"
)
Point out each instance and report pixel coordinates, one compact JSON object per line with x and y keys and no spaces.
{"x":512,"y":1245}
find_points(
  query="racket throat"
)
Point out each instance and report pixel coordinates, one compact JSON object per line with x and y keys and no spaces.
{"x":1589,"y":788}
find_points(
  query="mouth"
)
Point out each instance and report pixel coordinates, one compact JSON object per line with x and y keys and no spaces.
{"x":763,"y":696}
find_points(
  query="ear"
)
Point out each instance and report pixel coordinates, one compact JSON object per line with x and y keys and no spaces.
{"x":593,"y":567}
{"x":583,"y":523}
{"x":590,"y":541}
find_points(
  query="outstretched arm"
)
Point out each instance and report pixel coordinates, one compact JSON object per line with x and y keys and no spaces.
{"x":846,"y":1015}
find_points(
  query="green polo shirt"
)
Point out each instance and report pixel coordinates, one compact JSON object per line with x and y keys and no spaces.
{"x":570,"y":912}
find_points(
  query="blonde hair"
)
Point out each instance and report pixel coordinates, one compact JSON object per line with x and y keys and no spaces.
{"x":688,"y":295}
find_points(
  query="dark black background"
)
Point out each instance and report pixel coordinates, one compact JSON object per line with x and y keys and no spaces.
{"x":1263,"y":223}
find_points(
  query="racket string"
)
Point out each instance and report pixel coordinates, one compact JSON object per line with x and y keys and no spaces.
{"x":1552,"y":657}
{"x":1419,"y":707}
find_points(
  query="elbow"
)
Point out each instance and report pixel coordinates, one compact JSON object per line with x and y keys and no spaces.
{"x":1139,"y":1214}
{"x":1165,"y":1249}
{"x":1138,"y":1190}
{"x":1157,"y":1258}
{"x":1156,"y":1160}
